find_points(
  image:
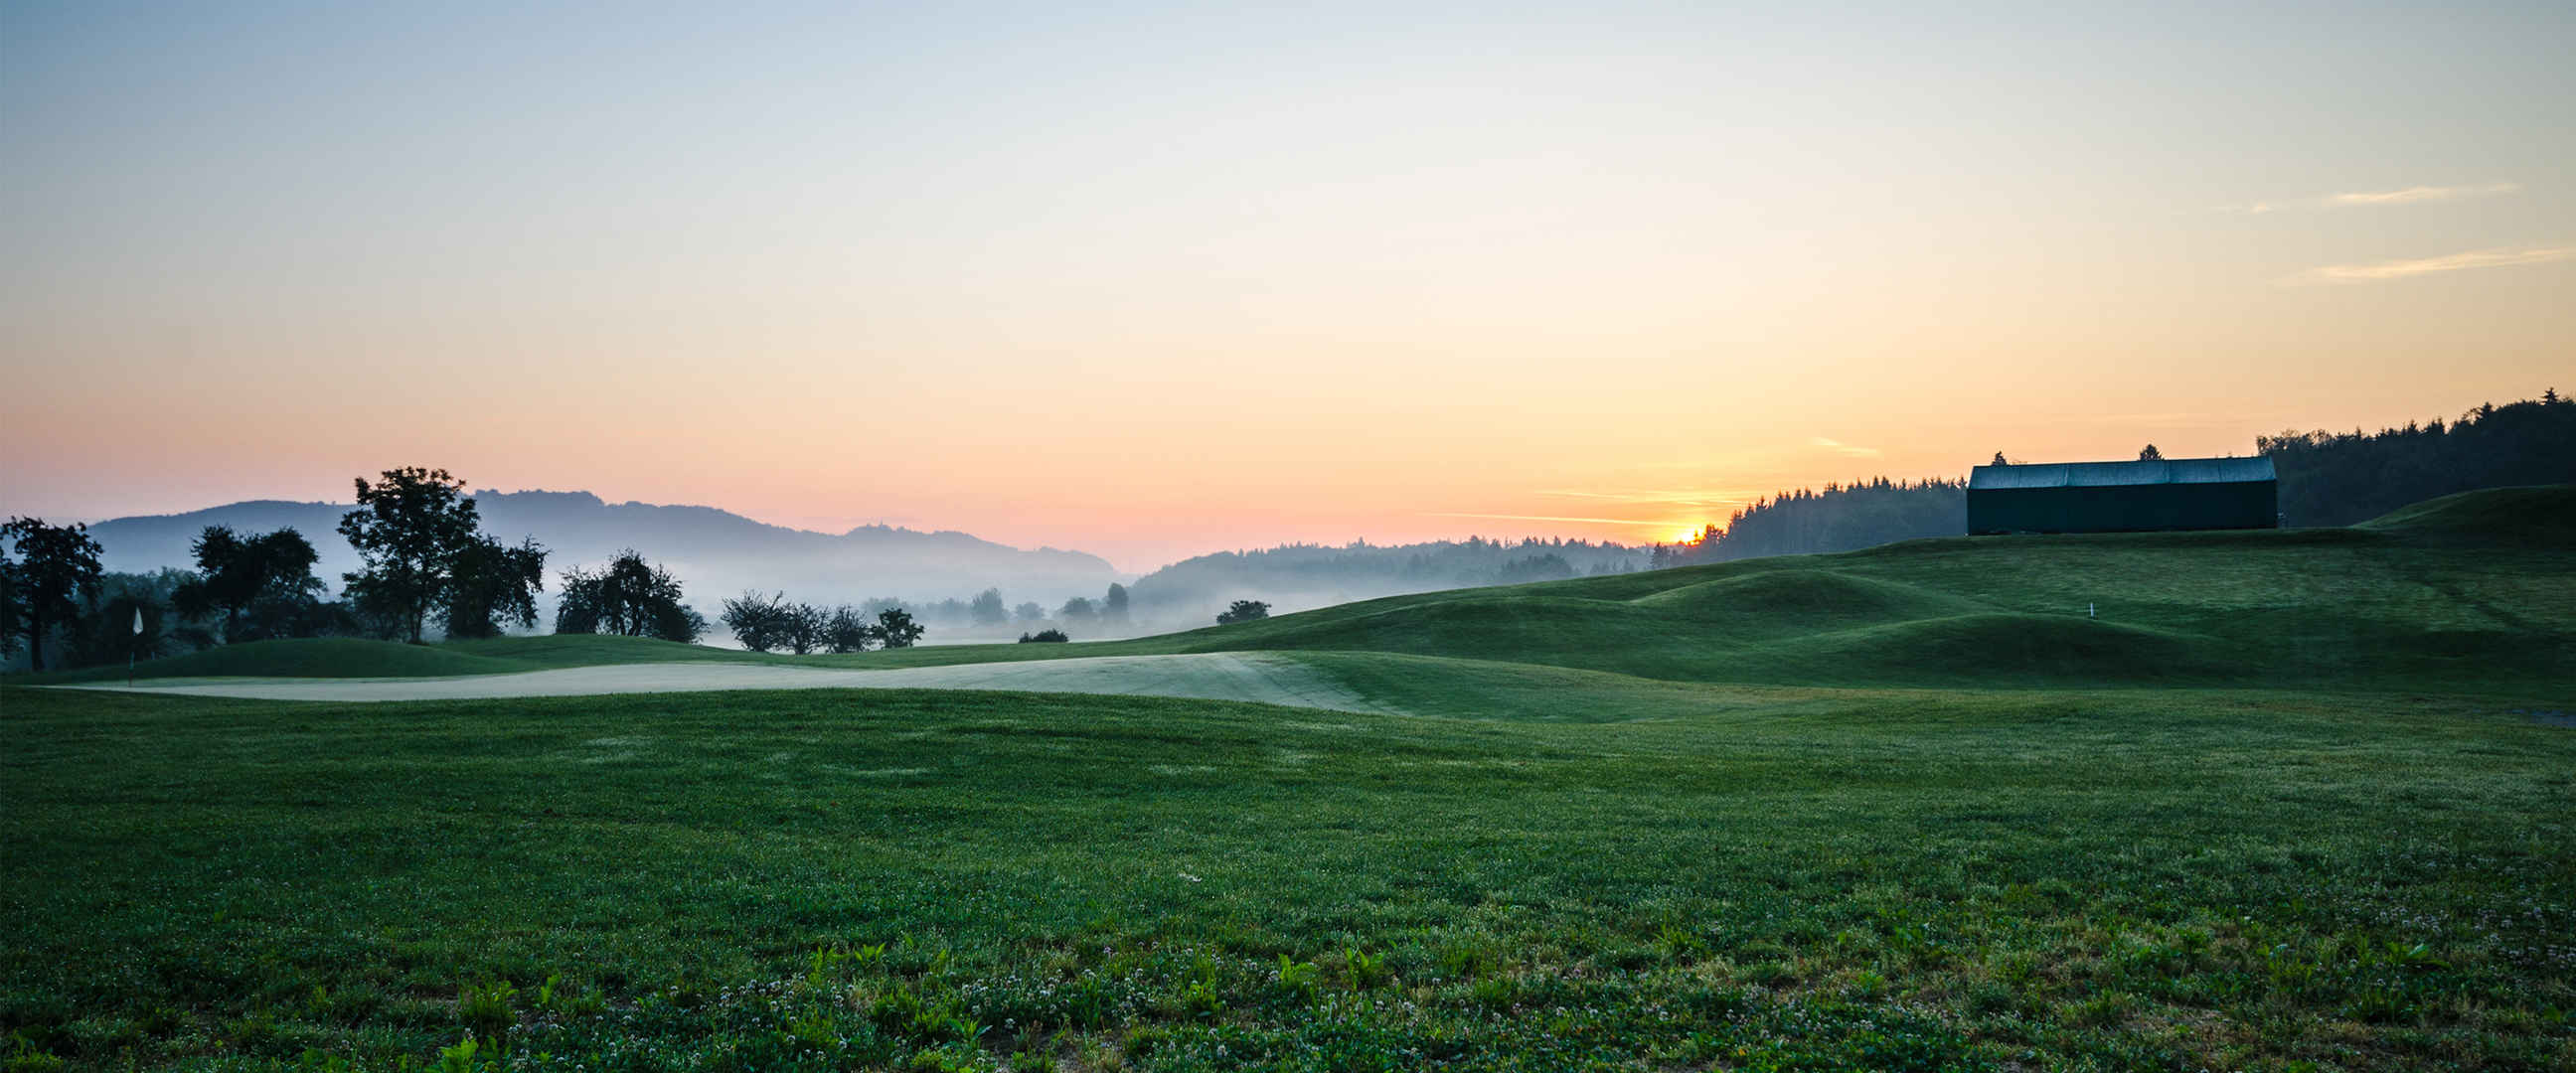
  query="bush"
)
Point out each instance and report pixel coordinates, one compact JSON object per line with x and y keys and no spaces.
{"x":1046,"y":636}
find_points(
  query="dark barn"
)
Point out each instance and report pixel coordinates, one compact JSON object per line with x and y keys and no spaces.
{"x":2124,"y":497}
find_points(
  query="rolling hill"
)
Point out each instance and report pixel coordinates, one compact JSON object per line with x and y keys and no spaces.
{"x":2472,"y":591}
{"x":2289,"y":800}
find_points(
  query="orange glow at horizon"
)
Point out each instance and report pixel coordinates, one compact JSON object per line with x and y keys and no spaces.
{"x":1230,"y":277}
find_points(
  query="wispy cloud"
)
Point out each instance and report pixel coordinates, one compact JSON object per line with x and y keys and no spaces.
{"x":1844,"y":449}
{"x":2377,"y":271}
{"x":2412,"y":195}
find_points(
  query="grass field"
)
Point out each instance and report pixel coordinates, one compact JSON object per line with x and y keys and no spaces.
{"x":2299,"y":800}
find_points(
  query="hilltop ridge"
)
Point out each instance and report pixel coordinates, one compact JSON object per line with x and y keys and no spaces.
{"x":715,"y":552}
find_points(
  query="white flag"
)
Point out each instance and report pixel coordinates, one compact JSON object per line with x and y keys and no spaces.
{"x":138,"y":620}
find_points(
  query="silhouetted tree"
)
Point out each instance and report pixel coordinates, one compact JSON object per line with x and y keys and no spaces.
{"x":56,"y":563}
{"x":491,"y":585}
{"x":1837,"y":518}
{"x":847,"y":630}
{"x":1535,"y":568}
{"x":1029,"y":612}
{"x":628,"y":597}
{"x":1113,"y":607}
{"x":263,"y":585}
{"x":805,"y":626}
{"x":758,"y":622}
{"x":12,"y":615}
{"x":1044,"y":637}
{"x":987,"y":609}
{"x":896,"y":629}
{"x":1243,"y":611}
{"x":106,"y":632}
{"x":2149,"y":453}
{"x":1077,"y":612}
{"x":2338,"y":478}
{"x":410,"y":528}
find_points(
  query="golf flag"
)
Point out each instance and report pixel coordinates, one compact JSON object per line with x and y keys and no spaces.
{"x":138,"y":621}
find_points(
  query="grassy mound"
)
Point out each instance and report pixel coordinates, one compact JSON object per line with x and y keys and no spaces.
{"x":351,"y":657}
{"x":2005,"y":647}
{"x":1799,"y":600}
{"x":2540,"y":515}
{"x":312,"y":657}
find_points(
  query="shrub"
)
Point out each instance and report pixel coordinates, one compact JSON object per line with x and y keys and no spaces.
{"x":1044,"y":636}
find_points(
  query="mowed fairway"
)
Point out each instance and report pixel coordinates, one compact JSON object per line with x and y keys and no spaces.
{"x":2309,"y":803}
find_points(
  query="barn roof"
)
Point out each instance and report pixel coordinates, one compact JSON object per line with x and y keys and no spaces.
{"x":2104,"y":474}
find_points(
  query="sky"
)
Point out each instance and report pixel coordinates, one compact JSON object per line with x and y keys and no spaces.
{"x":1150,"y":281}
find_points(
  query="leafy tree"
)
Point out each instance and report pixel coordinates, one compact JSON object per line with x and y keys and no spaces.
{"x":1549,"y":567}
{"x":10,"y":613}
{"x":629,"y":598}
{"x":759,"y":623}
{"x":987,"y":608}
{"x":106,"y":632}
{"x":1243,"y":611}
{"x":2338,"y":478}
{"x":55,"y":564}
{"x":1044,"y":637}
{"x":2149,"y":453}
{"x":806,"y":625}
{"x":679,"y":622}
{"x":492,"y":586}
{"x":263,"y":585}
{"x":410,"y":528}
{"x":896,"y":629}
{"x":1837,"y":518}
{"x":1029,"y":612}
{"x":1113,"y":607}
{"x":848,"y":630}
{"x":1077,"y":612}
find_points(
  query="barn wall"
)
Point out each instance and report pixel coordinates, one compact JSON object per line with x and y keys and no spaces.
{"x":2124,"y":508}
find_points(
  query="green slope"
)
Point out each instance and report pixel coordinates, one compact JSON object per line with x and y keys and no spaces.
{"x":315,"y":657}
{"x":1726,"y":878}
{"x":2474,"y":591}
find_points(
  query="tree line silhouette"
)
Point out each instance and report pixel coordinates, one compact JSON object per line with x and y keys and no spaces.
{"x":2338,"y":478}
{"x":2326,"y":478}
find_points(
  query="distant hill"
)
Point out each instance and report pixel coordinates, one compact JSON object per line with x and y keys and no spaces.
{"x":715,"y":553}
{"x":1297,"y":577}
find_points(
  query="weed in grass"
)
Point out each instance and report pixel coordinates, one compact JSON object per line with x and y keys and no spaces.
{"x":488,"y":1009}
{"x":1465,"y":959}
{"x":460,"y":1058}
{"x":1367,"y":971}
{"x":1297,"y":979}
